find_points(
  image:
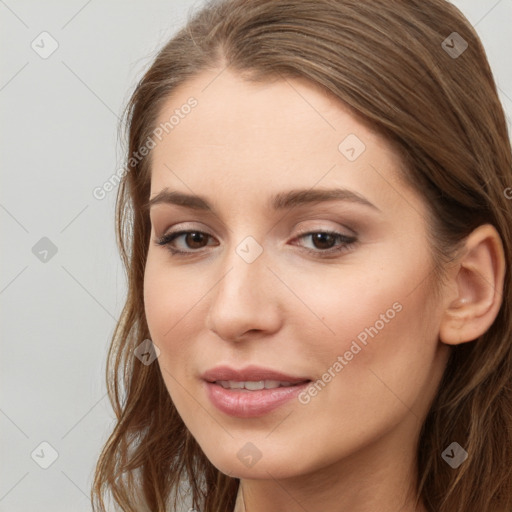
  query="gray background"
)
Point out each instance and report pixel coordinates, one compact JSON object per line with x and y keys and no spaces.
{"x":58,"y":142}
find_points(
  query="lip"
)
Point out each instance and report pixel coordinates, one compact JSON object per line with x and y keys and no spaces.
{"x":250,"y":404}
{"x":249,"y":373}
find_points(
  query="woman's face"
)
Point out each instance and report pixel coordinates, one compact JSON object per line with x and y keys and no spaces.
{"x":262,"y":283}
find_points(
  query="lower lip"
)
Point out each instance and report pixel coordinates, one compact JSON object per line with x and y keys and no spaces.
{"x":250,"y":404}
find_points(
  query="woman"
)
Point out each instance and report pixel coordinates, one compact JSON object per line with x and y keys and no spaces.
{"x":316,"y":229}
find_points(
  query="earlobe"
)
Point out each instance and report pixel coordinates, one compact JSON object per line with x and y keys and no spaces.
{"x":478,"y":282}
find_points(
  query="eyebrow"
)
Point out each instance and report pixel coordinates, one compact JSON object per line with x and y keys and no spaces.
{"x":280,"y":201}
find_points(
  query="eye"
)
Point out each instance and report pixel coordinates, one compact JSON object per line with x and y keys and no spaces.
{"x":323,"y":241}
{"x":192,"y":238}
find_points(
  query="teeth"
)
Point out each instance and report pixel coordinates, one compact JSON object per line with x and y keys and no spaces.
{"x":253,"y":385}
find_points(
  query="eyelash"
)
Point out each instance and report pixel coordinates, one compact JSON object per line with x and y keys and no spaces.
{"x":347,"y":242}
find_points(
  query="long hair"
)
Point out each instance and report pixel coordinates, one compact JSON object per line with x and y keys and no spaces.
{"x":403,"y":67}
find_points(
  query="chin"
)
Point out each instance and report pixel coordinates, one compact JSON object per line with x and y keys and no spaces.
{"x":246,"y":462}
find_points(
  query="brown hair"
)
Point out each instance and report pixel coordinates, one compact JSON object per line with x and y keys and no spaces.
{"x":386,"y":60}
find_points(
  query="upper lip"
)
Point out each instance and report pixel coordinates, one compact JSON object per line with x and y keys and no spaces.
{"x":249,"y":373}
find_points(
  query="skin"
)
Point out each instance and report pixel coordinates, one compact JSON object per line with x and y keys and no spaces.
{"x":352,"y":447}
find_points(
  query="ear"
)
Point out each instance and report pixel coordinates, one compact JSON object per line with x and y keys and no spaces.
{"x":478,"y":284}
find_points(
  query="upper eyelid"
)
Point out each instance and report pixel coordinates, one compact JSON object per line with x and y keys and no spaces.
{"x":301,"y":231}
{"x":316,"y":218}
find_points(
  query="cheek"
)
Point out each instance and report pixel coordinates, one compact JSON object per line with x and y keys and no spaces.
{"x":170,"y":302}
{"x":169,"y":299}
{"x":379,"y":361}
{"x":346,"y":305}
{"x":374,"y":320}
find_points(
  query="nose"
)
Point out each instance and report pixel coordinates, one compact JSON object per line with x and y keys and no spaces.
{"x":245,"y":303}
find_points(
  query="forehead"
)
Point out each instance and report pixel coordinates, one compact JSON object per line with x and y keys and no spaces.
{"x":231,"y":108}
{"x":261,"y":137}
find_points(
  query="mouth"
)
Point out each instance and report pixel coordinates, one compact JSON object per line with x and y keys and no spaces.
{"x":251,"y":391}
{"x":249,"y":386}
{"x":252,"y":399}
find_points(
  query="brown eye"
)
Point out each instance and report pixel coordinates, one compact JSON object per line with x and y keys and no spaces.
{"x":324,"y":242}
{"x":193,"y":240}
